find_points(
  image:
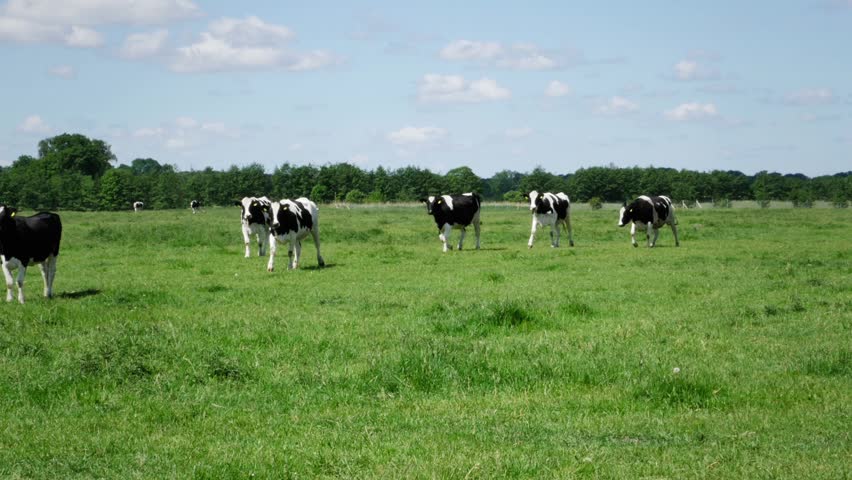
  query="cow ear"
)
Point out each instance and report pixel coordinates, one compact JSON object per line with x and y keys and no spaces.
{"x":12,"y":214}
{"x":265,"y":209}
{"x":439,"y":202}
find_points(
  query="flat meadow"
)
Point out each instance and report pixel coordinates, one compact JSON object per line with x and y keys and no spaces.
{"x":166,"y":354}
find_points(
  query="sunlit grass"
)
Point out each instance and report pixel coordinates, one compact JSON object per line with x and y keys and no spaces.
{"x":168,"y":354}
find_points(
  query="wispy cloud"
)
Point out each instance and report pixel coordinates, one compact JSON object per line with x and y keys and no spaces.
{"x":455,"y":89}
{"x":687,"y":112}
{"x":416,"y":135}
{"x":63,"y":71}
{"x":519,"y":56}
{"x":245,"y":44}
{"x":810,"y":97}
{"x":557,"y":89}
{"x":33,"y":124}
{"x":616,"y":106}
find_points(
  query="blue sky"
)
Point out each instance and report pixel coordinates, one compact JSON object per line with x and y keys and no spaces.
{"x":491,"y":85}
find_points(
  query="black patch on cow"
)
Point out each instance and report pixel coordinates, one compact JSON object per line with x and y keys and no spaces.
{"x":462,"y":213}
{"x":289,"y":221}
{"x":29,"y":238}
{"x":194,"y":204}
{"x":641,"y":210}
{"x":545,"y":204}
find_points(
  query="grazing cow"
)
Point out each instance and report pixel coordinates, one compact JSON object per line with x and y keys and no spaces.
{"x":195,"y":205}
{"x":454,"y":211}
{"x":551,"y":210}
{"x":293,"y":220}
{"x":137,"y":206}
{"x":650,"y":213}
{"x":28,"y":239}
{"x":254,"y":217}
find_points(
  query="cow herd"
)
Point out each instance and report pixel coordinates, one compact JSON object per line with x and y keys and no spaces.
{"x":35,"y":239}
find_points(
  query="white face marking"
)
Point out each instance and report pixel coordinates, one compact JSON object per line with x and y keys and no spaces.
{"x":621,"y":217}
{"x":533,"y":195}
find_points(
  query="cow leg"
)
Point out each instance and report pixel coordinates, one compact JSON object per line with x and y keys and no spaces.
{"x":297,"y":253}
{"x":554,"y":234}
{"x":247,"y":240}
{"x":261,"y":245}
{"x":570,"y":231}
{"x":273,"y":249}
{"x":633,"y":234}
{"x":315,"y":234}
{"x":22,"y":273}
{"x":674,"y":231}
{"x":51,"y":276}
{"x":656,"y":234}
{"x":9,"y":281}
{"x":445,"y":236}
{"x":476,"y":231}
{"x":532,"y":232}
{"x":45,"y":275}
{"x":461,"y":237}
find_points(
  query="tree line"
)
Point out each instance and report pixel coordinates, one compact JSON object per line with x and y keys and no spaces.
{"x":74,"y":172}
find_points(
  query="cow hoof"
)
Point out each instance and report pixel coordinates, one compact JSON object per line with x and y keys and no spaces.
{"x":270,"y":269}
{"x":635,"y":245}
{"x":571,"y":243}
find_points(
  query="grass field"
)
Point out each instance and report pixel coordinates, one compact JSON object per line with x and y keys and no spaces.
{"x":169,"y":355}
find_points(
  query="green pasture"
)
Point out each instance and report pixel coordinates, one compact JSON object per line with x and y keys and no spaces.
{"x":166,"y":354}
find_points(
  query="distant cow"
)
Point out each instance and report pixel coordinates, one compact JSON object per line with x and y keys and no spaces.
{"x":650,"y":213}
{"x":291,"y":221}
{"x":25,"y":240}
{"x":254,"y":217}
{"x":195,"y":205}
{"x":137,"y":206}
{"x":454,"y":211}
{"x":553,"y":210}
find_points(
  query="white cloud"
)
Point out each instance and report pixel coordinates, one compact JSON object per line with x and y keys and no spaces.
{"x":83,"y":37}
{"x":468,"y":50}
{"x":521,"y":56}
{"x":100,"y":12}
{"x":148,"y":132}
{"x":455,"y":89}
{"x":618,"y":106}
{"x":144,"y":45}
{"x":250,"y":32}
{"x":186,"y":122}
{"x":232,"y":44}
{"x":692,"y":111}
{"x":63,"y":71}
{"x":33,"y":124}
{"x":416,"y":135}
{"x":520,"y":132}
{"x":24,"y":31}
{"x":557,"y":89}
{"x":810,"y":97}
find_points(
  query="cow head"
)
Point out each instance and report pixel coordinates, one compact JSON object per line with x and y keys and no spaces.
{"x":539,"y":202}
{"x":625,"y":215}
{"x":7,"y":214}
{"x":431,"y":202}
{"x":252,"y":208}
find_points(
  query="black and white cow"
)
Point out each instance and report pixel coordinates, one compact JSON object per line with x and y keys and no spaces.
{"x":454,"y":211}
{"x":195,"y":205}
{"x":138,"y":206}
{"x":650,"y":213}
{"x":254,"y":217}
{"x":552,"y":210}
{"x":292,"y":221}
{"x":25,"y":240}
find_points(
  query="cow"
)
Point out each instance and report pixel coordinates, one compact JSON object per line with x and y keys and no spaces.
{"x":254,"y":217}
{"x":650,"y":213}
{"x":553,"y":210}
{"x":195,"y":205}
{"x":291,"y":221}
{"x":138,"y":206}
{"x":25,"y":240}
{"x":454,"y":211}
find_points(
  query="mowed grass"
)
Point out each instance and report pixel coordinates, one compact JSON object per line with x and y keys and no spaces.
{"x":169,"y":355}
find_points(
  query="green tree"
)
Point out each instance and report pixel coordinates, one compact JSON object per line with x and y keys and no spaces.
{"x":77,"y":153}
{"x":463,"y":180}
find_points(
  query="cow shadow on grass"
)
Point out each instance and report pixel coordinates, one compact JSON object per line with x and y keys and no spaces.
{"x":79,"y":294}
{"x":317,"y":267}
{"x":492,"y":249}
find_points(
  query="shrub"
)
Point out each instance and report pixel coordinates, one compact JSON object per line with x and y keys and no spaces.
{"x":355,"y":196}
{"x":596,"y":203}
